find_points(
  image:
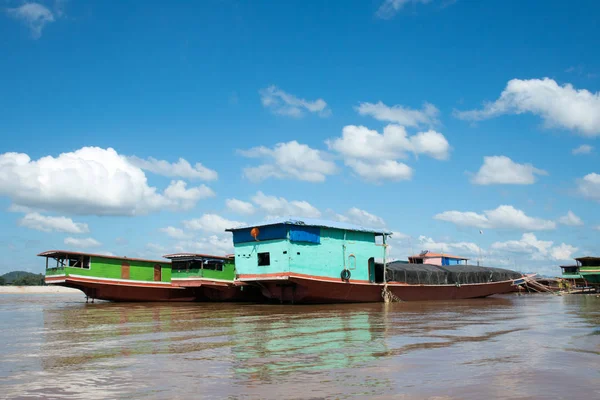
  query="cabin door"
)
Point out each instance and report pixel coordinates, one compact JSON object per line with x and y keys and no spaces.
{"x":372,"y":269}
{"x":125,"y":270}
{"x":157,"y":273}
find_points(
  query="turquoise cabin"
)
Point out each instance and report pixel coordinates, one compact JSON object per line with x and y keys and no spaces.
{"x":308,"y":248}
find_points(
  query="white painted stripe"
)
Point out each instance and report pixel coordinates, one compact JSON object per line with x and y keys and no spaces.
{"x":53,"y":282}
{"x":119,"y":280}
{"x":201,"y":279}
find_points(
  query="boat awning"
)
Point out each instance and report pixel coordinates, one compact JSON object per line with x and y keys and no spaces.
{"x":196,"y":257}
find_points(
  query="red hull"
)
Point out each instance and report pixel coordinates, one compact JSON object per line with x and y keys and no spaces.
{"x":116,"y":290}
{"x":296,"y":289}
{"x":120,"y":291}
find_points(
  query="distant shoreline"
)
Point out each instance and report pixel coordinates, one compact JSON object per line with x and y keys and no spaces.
{"x":37,"y":290}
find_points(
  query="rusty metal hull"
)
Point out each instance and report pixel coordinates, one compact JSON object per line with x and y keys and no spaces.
{"x":295,"y":289}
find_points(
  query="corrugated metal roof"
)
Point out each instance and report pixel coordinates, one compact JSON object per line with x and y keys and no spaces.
{"x":195,"y":255}
{"x":65,"y":253}
{"x":314,"y":222}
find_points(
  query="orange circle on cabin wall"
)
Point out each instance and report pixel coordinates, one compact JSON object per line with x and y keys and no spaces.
{"x":254,"y":232}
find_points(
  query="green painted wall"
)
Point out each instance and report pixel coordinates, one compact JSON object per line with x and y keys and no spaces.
{"x":325,"y":259}
{"x":228,"y":273}
{"x":101,"y":267}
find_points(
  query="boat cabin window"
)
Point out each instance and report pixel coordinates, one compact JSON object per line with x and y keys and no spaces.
{"x":264,"y":259}
{"x":179,"y":265}
{"x":351,"y":261}
{"x":570,"y":270}
{"x":214,"y":266}
{"x":78,"y":262}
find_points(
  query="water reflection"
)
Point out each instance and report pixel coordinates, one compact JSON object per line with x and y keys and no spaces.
{"x":500,"y":347}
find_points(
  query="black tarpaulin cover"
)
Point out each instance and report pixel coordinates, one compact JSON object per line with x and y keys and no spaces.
{"x":429,"y":274}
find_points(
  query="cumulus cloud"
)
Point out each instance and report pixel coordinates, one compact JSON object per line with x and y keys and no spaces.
{"x":175,"y":233}
{"x":89,"y":181}
{"x":46,"y":223}
{"x":503,"y":170}
{"x":400,"y":115}
{"x":463,"y":249}
{"x":589,"y":186}
{"x":280,"y":207}
{"x":505,"y":216}
{"x":211,"y":223}
{"x":282,"y":103}
{"x":214,"y":244}
{"x":389,"y":8}
{"x":537,"y":249}
{"x":180,"y":169}
{"x":364,"y":218}
{"x":560,"y":106}
{"x":374,"y":156}
{"x":570,"y":219}
{"x":82,"y":243}
{"x":34,"y":15}
{"x":291,"y":160}
{"x":239,"y":206}
{"x":583,"y":149}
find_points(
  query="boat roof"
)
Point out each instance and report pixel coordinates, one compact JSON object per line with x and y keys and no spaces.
{"x":59,"y":253}
{"x":314,"y":222}
{"x":587,"y":258}
{"x":436,"y":255}
{"x":187,"y":256}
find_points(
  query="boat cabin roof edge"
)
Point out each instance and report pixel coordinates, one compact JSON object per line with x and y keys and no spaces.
{"x":313,"y":222}
{"x":58,"y":253}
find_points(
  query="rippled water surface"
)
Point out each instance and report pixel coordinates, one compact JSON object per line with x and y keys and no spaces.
{"x":529,"y":347}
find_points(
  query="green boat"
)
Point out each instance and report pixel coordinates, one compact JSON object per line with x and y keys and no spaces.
{"x":587,"y":269}
{"x":189,"y":277}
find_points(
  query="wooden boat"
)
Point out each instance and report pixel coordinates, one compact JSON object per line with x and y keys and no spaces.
{"x":586,"y":272}
{"x":213,"y":276}
{"x":313,"y":261}
{"x":114,"y":278}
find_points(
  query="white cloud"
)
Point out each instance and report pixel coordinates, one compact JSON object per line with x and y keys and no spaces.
{"x":570,"y":219}
{"x":463,"y":249}
{"x":181,"y":197}
{"x":400,"y":115}
{"x":218,"y":245}
{"x":364,"y":218}
{"x":562,"y":106}
{"x":373,"y":155}
{"x":211,"y":223}
{"x":504,"y":216}
{"x":82,"y":243}
{"x":52,"y":224}
{"x":239,"y":206}
{"x":583,"y":149}
{"x":280,"y":207}
{"x":389,"y":8}
{"x":175,"y":233}
{"x":180,"y":169}
{"x":537,"y":249}
{"x":289,"y":160}
{"x":589,"y":186}
{"x":89,"y":181}
{"x":282,"y":103}
{"x":503,"y":170}
{"x":385,"y":170}
{"x":34,"y":15}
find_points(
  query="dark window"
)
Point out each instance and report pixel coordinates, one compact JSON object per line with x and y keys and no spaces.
{"x":79,"y":262}
{"x":264,"y":259}
{"x":215,"y":266}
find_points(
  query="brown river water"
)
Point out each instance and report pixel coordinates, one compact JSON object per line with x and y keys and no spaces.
{"x":505,"y":347}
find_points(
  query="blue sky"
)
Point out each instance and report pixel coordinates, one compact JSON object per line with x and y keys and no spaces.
{"x":143,"y":128}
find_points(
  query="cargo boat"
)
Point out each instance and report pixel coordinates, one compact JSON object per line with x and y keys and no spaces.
{"x":114,"y":278}
{"x":314,"y":261}
{"x":212,"y":276}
